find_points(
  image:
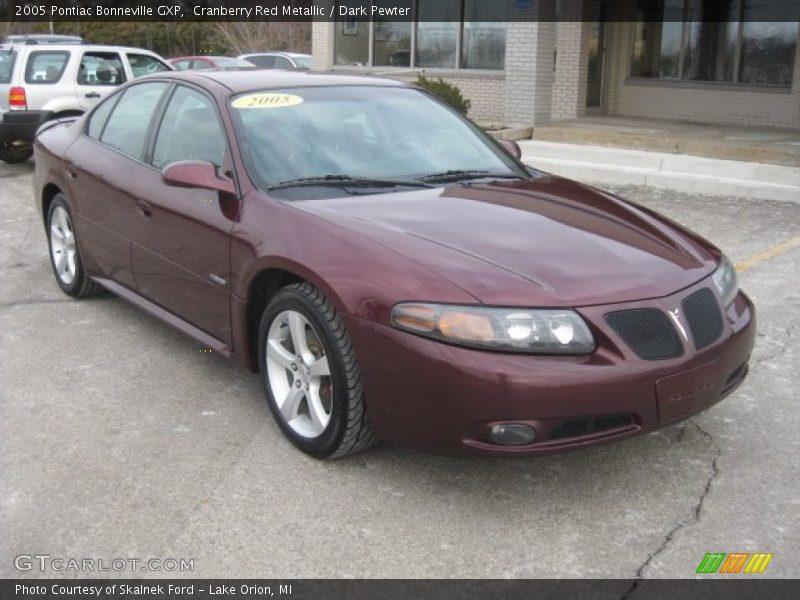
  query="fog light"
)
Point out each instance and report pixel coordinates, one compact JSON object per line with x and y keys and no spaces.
{"x":512,"y":434}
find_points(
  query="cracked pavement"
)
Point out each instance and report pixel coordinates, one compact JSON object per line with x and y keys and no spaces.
{"x":119,"y":438}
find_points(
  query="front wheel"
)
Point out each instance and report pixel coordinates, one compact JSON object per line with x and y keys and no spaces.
{"x":310,"y":374}
{"x":12,"y":153}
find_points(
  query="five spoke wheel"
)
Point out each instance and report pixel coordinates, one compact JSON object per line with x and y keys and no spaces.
{"x":62,"y":245}
{"x":299,"y":374}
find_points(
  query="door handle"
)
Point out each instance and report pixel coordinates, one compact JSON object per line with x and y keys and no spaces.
{"x":93,"y":95}
{"x":143,"y":208}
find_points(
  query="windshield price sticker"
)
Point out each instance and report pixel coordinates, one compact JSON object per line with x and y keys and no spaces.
{"x":267,"y":101}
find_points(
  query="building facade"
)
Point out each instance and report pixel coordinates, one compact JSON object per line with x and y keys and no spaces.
{"x":702,"y":61}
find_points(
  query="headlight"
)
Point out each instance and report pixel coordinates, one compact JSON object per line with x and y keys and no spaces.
{"x":725,"y":280}
{"x":533,"y":331}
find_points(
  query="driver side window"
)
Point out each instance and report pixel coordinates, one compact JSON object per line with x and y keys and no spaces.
{"x":190,"y":130}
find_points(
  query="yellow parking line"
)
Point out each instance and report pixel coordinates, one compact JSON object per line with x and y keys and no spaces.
{"x":767,"y":254}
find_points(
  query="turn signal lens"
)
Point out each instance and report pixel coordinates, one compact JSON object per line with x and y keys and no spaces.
{"x":415,"y":317}
{"x":468,"y":327}
{"x":535,"y":331}
{"x":17,"y":98}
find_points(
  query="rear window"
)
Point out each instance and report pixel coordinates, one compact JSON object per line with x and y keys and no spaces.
{"x":7,"y":59}
{"x":45,"y":66}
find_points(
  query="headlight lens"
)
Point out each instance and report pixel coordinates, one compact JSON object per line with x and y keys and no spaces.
{"x":725,"y":280}
{"x":535,"y":331}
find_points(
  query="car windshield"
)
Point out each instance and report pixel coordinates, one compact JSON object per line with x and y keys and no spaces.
{"x":7,"y":58}
{"x":360,"y":133}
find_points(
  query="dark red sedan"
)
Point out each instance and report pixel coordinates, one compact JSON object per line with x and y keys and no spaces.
{"x":388,"y":269}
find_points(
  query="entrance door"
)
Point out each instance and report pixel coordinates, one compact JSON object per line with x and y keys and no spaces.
{"x":598,"y":42}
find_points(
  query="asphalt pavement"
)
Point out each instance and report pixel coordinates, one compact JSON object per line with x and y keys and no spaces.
{"x":120,"y":438}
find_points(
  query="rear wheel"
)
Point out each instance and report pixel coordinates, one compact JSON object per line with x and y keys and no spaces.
{"x":15,"y":153}
{"x":310,"y":374}
{"x":64,"y":255}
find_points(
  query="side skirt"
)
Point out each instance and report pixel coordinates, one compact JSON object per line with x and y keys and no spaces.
{"x":166,"y":316}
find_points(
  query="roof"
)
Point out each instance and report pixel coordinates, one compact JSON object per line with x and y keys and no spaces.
{"x":246,"y":80}
{"x":82,"y":47}
{"x":276,"y":53}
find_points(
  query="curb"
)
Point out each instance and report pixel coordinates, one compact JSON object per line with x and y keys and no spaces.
{"x":683,"y":173}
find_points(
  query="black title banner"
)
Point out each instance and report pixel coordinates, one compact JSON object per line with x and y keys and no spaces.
{"x":387,"y":10}
{"x":409,"y":589}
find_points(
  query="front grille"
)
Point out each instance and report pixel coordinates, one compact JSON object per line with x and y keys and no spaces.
{"x":647,"y":331}
{"x":704,"y":317}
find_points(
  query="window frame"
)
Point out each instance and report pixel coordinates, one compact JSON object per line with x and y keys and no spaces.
{"x":99,"y":53}
{"x":69,"y":57}
{"x":156,"y":126}
{"x":116,"y":96}
{"x":370,"y":63}
{"x":682,"y":81}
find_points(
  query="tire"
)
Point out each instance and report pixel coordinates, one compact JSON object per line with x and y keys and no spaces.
{"x":65,"y":258}
{"x":11,"y":154}
{"x":322,"y":415}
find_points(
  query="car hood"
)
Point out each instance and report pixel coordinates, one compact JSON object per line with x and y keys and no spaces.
{"x":545,"y":242}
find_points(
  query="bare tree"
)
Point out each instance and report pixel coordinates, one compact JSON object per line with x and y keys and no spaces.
{"x":244,"y":37}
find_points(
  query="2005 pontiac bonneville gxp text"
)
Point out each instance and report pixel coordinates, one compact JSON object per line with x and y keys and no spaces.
{"x":388,"y":269}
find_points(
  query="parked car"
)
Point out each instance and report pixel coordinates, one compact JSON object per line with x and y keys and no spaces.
{"x":278,"y":60}
{"x":389,"y":270}
{"x":193,"y":63}
{"x":41,"y":82}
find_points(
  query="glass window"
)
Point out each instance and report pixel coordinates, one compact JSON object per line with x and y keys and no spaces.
{"x":46,"y":66}
{"x":437,"y":33}
{"x":199,"y":65}
{"x":351,"y":39}
{"x":143,"y":64}
{"x":261,"y":60}
{"x":303,"y":62}
{"x":126,"y":129}
{"x":99,"y":117}
{"x":100,"y":68}
{"x":392,"y":40}
{"x":282,"y":63}
{"x":768,"y":53}
{"x":483,"y":44}
{"x":182,"y":65}
{"x":657,"y":44}
{"x":7,"y":60}
{"x":712,"y":36}
{"x":190,"y":130}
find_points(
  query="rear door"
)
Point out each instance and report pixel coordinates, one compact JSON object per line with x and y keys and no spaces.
{"x":104,"y":167}
{"x":181,"y":247}
{"x":98,"y":74}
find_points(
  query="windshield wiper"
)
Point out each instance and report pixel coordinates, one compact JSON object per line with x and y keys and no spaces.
{"x":347,"y":181}
{"x":458,"y":175}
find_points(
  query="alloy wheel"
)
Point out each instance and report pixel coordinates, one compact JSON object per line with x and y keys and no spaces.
{"x":299,"y":374}
{"x":62,"y":245}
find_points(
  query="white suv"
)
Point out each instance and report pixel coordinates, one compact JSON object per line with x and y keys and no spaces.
{"x":40,"y":82}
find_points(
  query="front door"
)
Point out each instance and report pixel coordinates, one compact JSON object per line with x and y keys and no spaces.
{"x":598,"y":42}
{"x":181,"y":240}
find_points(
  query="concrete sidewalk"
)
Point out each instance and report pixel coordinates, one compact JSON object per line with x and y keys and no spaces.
{"x":748,"y":144}
{"x":664,"y":170}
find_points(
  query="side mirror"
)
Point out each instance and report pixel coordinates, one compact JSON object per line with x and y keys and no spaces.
{"x":512,"y":148}
{"x":196,"y":174}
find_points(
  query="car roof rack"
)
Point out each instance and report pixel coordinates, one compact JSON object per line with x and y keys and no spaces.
{"x":37,"y":39}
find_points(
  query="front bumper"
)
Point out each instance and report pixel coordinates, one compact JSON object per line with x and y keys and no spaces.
{"x":21,"y":125}
{"x":440,"y":398}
